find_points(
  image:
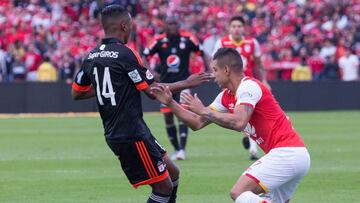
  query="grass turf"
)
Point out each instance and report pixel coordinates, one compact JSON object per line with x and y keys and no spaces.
{"x":67,"y":160}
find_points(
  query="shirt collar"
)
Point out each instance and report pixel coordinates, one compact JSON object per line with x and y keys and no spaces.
{"x":110,"y":41}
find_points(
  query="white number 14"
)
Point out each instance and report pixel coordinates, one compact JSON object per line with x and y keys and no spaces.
{"x":106,"y":85}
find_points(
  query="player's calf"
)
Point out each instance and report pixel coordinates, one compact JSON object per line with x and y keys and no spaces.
{"x":158,"y":198}
{"x":174,"y":175}
{"x":161,"y":191}
{"x":246,"y":185}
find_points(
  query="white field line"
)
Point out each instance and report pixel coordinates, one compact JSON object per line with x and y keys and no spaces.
{"x":57,"y":115}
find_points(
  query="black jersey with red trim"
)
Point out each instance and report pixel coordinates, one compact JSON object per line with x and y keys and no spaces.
{"x":117,"y":75}
{"x":174,"y":53}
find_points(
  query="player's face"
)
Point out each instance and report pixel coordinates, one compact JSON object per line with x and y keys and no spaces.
{"x":219,"y":74}
{"x":172,"y":28}
{"x":236,"y":29}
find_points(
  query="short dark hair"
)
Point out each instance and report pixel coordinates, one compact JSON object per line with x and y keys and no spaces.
{"x":229,"y":57}
{"x":46,"y":58}
{"x":112,"y":12}
{"x":171,"y":19}
{"x":237,"y":18}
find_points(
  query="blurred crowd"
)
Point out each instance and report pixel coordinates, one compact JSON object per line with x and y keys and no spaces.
{"x":45,"y":40}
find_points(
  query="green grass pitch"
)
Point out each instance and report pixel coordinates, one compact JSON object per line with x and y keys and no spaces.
{"x":67,"y":160}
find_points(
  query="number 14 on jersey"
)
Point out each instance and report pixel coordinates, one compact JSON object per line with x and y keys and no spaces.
{"x":107,"y":88}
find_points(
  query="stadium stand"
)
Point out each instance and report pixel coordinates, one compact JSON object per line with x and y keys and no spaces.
{"x":318,"y":32}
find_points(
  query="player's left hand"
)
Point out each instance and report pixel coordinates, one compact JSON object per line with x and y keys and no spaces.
{"x":162,"y":93}
{"x":197,"y":79}
{"x":193,"y":103}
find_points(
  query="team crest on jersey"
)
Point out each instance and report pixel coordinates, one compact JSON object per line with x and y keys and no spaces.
{"x":135,"y":76}
{"x":149,"y":76}
{"x":161,"y":166}
{"x":173,"y":62}
{"x":146,"y":51}
{"x":182,"y":45}
{"x":245,"y":95}
{"x":247,"y":48}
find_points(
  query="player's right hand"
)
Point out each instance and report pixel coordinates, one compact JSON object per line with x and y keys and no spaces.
{"x":162,"y":93}
{"x":197,"y":79}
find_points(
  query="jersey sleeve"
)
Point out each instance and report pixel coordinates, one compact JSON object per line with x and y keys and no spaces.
{"x":216,"y":47}
{"x":257,"y":50}
{"x":217,"y":105}
{"x":152,"y":48}
{"x":195,"y":46}
{"x":82,"y":82}
{"x":249,"y":93}
{"x":139,"y":75}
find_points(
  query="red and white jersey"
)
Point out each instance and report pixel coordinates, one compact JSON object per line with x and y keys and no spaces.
{"x":268,"y":125}
{"x":248,"y":48}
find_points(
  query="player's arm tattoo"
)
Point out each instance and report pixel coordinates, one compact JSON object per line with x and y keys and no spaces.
{"x":248,"y":110}
{"x":204,"y":121}
{"x":221,"y":119}
{"x":231,"y":121}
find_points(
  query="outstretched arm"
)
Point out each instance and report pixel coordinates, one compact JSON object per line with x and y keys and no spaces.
{"x":192,"y":81}
{"x":235,"y":121}
{"x":194,"y":121}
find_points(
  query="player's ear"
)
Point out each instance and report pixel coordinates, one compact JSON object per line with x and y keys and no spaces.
{"x":123,"y":26}
{"x":226,"y":69}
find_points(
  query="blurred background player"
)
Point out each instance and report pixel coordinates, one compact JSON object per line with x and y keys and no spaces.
{"x":249,"y":49}
{"x":174,"y":48}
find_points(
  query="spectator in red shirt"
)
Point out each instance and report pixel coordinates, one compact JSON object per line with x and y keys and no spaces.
{"x":316,"y":63}
{"x":32,"y":62}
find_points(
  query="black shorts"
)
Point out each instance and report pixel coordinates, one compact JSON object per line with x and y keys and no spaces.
{"x":176,"y":97}
{"x":141,"y":160}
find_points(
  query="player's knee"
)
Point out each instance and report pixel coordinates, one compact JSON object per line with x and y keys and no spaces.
{"x":168,"y":188}
{"x":174,"y":171}
{"x":175,"y":174}
{"x":164,"y":187}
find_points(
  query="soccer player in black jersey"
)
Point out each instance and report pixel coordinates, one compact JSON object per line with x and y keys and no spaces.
{"x":174,"y":48}
{"x":115,"y":75}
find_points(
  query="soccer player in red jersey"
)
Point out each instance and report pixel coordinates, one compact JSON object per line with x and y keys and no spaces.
{"x":249,"y":49}
{"x":247,"y":105}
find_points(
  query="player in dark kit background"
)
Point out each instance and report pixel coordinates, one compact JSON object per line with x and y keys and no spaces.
{"x":174,"y":48}
{"x":115,"y":75}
